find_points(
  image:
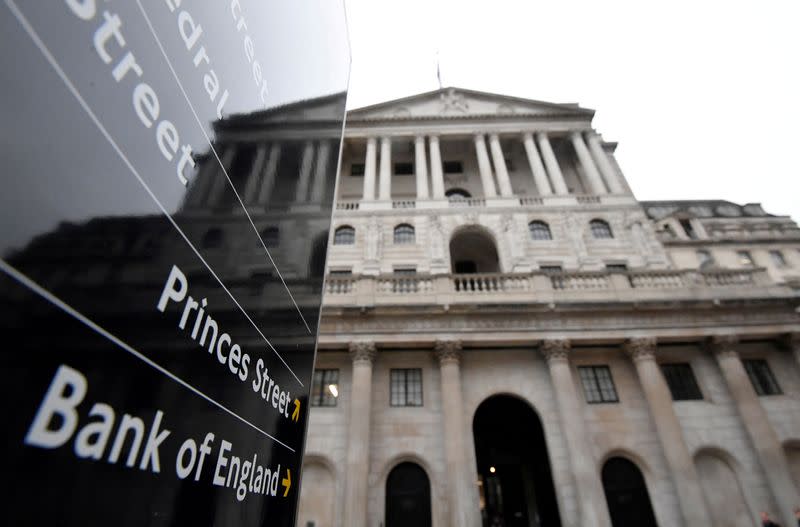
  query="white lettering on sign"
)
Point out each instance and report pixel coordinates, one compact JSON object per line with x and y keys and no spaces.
{"x":111,"y":47}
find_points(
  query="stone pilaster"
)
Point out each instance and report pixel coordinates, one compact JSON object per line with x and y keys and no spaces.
{"x":357,"y":468}
{"x":670,"y":434}
{"x":385,"y":192}
{"x":550,"y":161}
{"x":484,"y":167}
{"x":592,"y":507}
{"x":420,"y":167}
{"x":437,"y":176}
{"x":537,"y":168}
{"x":462,"y":508}
{"x":369,"y":170}
{"x":763,"y":436}
{"x":503,"y":181}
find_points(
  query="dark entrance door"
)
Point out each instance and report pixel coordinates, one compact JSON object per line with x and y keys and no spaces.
{"x":513,"y":465}
{"x":408,"y":497}
{"x":626,"y":494}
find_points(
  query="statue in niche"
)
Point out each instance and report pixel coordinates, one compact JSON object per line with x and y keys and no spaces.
{"x":453,"y":101}
{"x":436,"y":239}
{"x":374,"y":239}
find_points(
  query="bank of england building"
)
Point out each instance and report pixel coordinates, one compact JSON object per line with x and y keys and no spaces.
{"x":509,"y":337}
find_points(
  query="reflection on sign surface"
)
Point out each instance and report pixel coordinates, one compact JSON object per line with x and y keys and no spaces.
{"x":169,"y":171}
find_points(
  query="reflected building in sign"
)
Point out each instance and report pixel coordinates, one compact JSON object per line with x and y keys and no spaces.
{"x":511,"y":338}
{"x":282,"y":164}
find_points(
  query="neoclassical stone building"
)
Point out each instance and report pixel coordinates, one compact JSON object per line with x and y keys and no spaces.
{"x":509,"y":337}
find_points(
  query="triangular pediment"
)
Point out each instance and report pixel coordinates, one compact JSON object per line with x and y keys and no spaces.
{"x":461,"y":103}
{"x":328,"y":108}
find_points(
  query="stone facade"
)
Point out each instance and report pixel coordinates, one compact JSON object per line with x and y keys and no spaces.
{"x":609,"y":281}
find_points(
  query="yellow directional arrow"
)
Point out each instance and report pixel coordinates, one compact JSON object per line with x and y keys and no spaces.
{"x":296,"y":412}
{"x":287,"y":482}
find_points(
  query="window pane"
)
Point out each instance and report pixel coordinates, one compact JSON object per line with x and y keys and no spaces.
{"x":598,"y":386}
{"x":404,"y":234}
{"x":539,"y":230}
{"x":681,"y":381}
{"x":325,"y":388}
{"x":406,"y":387}
{"x":600,"y":229}
{"x":607,"y":390}
{"x":344,"y":236}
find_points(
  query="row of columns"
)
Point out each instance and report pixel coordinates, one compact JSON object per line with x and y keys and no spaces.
{"x":601,"y":176}
{"x":312,"y":177}
{"x":590,"y":495}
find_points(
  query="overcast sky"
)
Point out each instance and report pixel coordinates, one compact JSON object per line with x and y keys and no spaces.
{"x":701,"y":96}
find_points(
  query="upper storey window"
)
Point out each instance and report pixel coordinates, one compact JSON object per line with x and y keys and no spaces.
{"x":404,"y":233}
{"x":600,"y":229}
{"x":688,"y":229}
{"x":403,"y":169}
{"x":453,"y":167}
{"x":745,"y":259}
{"x":539,"y":230}
{"x":706,"y":259}
{"x":357,"y":169}
{"x":344,"y":235}
{"x":271,"y":237}
{"x":778,"y":259}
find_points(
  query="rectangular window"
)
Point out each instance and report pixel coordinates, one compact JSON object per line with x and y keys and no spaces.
{"x":357,"y":169}
{"x":551,"y":268}
{"x":745,"y":258}
{"x":325,"y":388}
{"x":688,"y":229}
{"x":778,"y":258}
{"x":406,"y":387}
{"x":452,"y":167}
{"x":761,"y":377}
{"x":681,"y":382}
{"x":617,"y":267}
{"x":598,"y":386}
{"x":403,"y":169}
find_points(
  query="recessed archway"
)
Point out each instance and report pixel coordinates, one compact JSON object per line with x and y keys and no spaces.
{"x":408,"y":496}
{"x":473,"y":250}
{"x":723,"y":493}
{"x":626,"y":494}
{"x":515,"y":479}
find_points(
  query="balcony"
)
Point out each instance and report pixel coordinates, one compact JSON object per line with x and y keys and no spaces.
{"x":546,"y":288}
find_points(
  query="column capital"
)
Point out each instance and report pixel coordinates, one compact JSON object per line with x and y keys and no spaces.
{"x":555,"y":350}
{"x":419,"y":137}
{"x":723,"y":345}
{"x":362,"y":352}
{"x":641,"y":348}
{"x":448,"y":351}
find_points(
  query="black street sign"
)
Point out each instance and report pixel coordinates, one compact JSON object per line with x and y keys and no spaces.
{"x":168,"y":172}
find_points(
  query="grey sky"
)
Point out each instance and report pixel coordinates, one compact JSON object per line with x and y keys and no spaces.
{"x":701,"y":96}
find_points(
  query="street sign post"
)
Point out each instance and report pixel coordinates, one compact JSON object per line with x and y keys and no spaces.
{"x":168,"y":178}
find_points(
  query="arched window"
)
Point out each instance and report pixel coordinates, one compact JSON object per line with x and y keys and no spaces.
{"x":404,"y":233}
{"x":539,"y":230}
{"x":600,"y":229}
{"x":212,"y":238}
{"x":457,"y":194}
{"x":344,"y":235}
{"x":271,"y":236}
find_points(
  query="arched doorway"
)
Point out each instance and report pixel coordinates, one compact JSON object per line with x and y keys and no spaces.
{"x":408,"y":497}
{"x":722,"y":490}
{"x":316,"y":505}
{"x":516,"y":484}
{"x":472,"y":250}
{"x":626,"y":494}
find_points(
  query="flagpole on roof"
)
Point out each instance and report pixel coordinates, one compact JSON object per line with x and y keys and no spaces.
{"x":438,"y":70}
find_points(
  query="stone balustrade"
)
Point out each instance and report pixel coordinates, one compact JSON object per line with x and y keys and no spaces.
{"x":549,"y":287}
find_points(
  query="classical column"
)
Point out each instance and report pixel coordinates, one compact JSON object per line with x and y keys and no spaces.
{"x":437,"y":176}
{"x":484,"y":167}
{"x":550,"y":161}
{"x":793,"y":341}
{"x":254,"y":178}
{"x":357,"y":468}
{"x":385,"y":192}
{"x":763,"y":436}
{"x":670,"y":434}
{"x":595,"y":183}
{"x":202,"y":181}
{"x":500,"y":168}
{"x":220,"y":180}
{"x":269,"y":174}
{"x":320,"y":172}
{"x":537,"y":168}
{"x":306,"y":164}
{"x":369,"y":171}
{"x":458,"y":474}
{"x":421,"y":167}
{"x":592,"y":507}
{"x":601,"y":158}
